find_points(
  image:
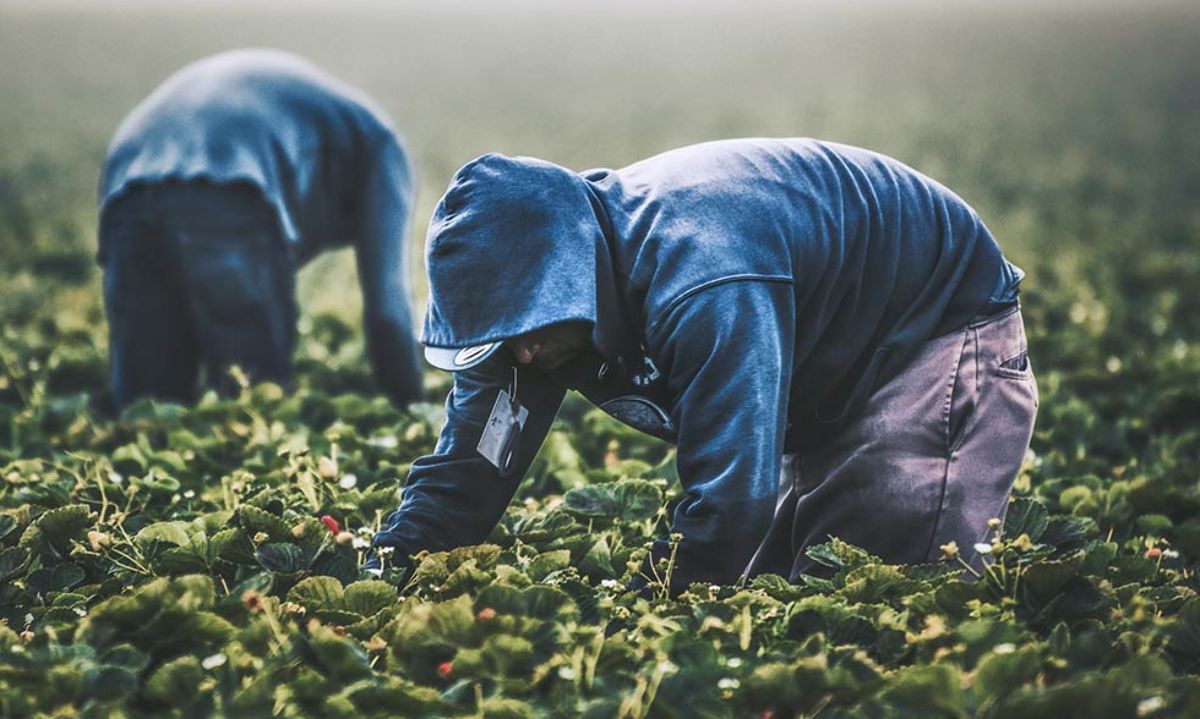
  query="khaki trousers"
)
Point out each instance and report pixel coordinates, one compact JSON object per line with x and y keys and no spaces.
{"x":930,"y":460}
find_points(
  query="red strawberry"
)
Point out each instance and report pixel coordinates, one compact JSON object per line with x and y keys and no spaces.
{"x":331,"y":524}
{"x":1153,"y":553}
{"x":444,"y":669}
{"x":485,"y":614}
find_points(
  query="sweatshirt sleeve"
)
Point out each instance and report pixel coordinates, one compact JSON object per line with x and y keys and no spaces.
{"x":381,"y":252}
{"x":455,"y":497}
{"x":727,"y":355}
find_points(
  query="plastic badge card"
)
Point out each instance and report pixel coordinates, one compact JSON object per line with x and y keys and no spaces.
{"x":500,"y":437}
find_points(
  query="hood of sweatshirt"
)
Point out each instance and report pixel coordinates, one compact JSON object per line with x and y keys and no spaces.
{"x":516,"y":244}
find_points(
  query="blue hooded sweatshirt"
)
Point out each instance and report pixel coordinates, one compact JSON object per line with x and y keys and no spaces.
{"x":745,"y":298}
{"x":323,"y":156}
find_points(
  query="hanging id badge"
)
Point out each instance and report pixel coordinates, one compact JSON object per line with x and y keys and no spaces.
{"x":500,"y":442}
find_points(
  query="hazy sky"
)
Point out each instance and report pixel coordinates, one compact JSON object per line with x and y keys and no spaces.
{"x":563,"y":5}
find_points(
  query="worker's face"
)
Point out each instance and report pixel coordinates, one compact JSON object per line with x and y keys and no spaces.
{"x":549,"y":347}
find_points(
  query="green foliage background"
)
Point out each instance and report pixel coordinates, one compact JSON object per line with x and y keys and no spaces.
{"x":172,"y":562}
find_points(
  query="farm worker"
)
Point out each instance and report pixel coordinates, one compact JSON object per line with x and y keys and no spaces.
{"x":831,"y":339}
{"x":236,"y":171}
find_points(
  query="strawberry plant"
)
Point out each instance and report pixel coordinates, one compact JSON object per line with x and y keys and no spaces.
{"x":205,"y":560}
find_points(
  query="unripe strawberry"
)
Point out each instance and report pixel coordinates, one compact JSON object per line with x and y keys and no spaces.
{"x":485,"y":614}
{"x":327,"y":468}
{"x":99,"y":540}
{"x":344,"y":537}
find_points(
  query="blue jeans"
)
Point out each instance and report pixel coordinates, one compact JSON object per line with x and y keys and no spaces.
{"x":197,"y":278}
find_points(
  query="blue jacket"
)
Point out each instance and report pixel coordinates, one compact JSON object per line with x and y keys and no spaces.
{"x":324,"y":157}
{"x":746,"y":297}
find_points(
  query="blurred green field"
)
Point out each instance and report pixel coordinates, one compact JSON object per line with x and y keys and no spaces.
{"x":1072,"y":127}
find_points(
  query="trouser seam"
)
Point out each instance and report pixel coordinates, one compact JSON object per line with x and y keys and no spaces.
{"x":949,"y":405}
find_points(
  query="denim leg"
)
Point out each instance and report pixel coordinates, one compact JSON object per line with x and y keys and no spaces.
{"x":241,"y":284}
{"x":152,"y":350}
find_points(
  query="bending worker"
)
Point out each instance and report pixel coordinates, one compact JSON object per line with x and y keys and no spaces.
{"x":235,"y":172}
{"x":831,"y":339}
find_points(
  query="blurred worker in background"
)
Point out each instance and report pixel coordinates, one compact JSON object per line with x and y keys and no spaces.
{"x":831,"y":339}
{"x":235,"y":172}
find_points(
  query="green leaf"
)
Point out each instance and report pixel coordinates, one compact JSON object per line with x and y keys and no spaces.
{"x":339,"y":617}
{"x":638,"y":499}
{"x":7,"y":524}
{"x":161,"y":615}
{"x":548,"y":562}
{"x":281,"y":558}
{"x":171,"y":532}
{"x":1154,"y":524}
{"x":339,"y":658}
{"x":108,"y":683}
{"x":592,"y":501}
{"x":1025,"y":516}
{"x":1000,"y":674}
{"x":160,"y":483}
{"x":232,"y":545}
{"x":369,"y":597}
{"x":1183,"y":637}
{"x":1059,"y":641}
{"x":175,"y":683}
{"x":506,"y":708}
{"x":8,"y":638}
{"x":598,"y":560}
{"x":253,"y":520}
{"x":502,"y":598}
{"x":1067,"y":533}
{"x":926,"y":691}
{"x":68,"y":599}
{"x":60,"y":578}
{"x":484,"y":556}
{"x":508,"y":654}
{"x":66,"y":575}
{"x":467,"y":578}
{"x":130,"y":657}
{"x":65,"y":523}
{"x":548,"y":603}
{"x":1044,"y":579}
{"x":316,"y":593}
{"x":824,"y":555}
{"x":13,"y":562}
{"x":393,"y":696}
